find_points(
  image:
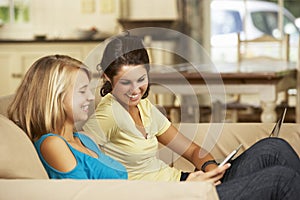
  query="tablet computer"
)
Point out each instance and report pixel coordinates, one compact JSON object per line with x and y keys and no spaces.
{"x":230,"y":156}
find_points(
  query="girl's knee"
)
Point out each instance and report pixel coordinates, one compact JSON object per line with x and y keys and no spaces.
{"x":276,"y":142}
{"x":273,"y":147}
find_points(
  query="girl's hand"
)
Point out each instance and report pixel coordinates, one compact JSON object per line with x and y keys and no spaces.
{"x":212,"y":176}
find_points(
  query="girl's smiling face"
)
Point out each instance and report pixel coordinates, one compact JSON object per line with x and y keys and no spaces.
{"x":130,"y":84}
{"x":78,"y":98}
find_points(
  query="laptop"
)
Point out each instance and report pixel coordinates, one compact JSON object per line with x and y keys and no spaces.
{"x":276,"y":129}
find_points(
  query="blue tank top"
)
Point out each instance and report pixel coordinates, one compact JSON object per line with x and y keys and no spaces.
{"x":88,"y":167}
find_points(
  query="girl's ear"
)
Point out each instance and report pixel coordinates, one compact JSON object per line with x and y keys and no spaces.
{"x":106,"y":77}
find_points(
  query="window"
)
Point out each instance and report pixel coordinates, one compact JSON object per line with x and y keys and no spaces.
{"x":267,"y":22}
{"x":14,"y":11}
{"x":225,"y":22}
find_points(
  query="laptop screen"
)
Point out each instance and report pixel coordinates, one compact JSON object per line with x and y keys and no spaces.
{"x":276,"y":129}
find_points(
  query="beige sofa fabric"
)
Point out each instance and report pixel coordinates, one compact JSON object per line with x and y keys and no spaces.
{"x":19,"y":160}
{"x":18,"y":157}
{"x":19,"y":165}
{"x":4,"y":103}
{"x":106,"y":189}
{"x":221,"y":139}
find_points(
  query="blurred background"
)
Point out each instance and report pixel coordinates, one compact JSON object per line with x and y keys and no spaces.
{"x":30,"y":29}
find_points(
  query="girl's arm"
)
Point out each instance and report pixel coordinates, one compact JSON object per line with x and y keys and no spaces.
{"x":180,"y":144}
{"x":57,"y":154}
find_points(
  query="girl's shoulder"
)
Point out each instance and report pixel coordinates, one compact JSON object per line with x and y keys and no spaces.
{"x":49,"y":137}
{"x":107,"y":99}
{"x":52,"y":142}
{"x":146,"y":103}
{"x":105,"y":104}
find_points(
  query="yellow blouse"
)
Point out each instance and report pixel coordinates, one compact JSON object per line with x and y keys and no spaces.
{"x":116,"y":133}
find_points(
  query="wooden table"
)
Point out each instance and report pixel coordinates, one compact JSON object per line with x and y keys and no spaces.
{"x":267,"y":84}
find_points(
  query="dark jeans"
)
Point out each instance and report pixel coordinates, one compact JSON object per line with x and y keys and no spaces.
{"x":270,"y":169}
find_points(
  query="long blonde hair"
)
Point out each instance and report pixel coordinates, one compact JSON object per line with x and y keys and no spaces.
{"x":38,"y":104}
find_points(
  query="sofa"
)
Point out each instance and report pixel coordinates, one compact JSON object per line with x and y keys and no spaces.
{"x":22,"y":175}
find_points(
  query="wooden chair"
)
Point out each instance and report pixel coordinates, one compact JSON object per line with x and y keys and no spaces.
{"x":265,"y":49}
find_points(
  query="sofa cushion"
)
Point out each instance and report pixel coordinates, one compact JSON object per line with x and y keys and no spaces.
{"x":18,"y":157}
{"x":4,"y":102}
{"x":106,"y":189}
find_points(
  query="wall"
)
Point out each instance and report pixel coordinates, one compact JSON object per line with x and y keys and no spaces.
{"x":58,"y":18}
{"x":149,"y":9}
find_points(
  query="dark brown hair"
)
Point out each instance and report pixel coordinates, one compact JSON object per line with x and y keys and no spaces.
{"x":120,"y":51}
